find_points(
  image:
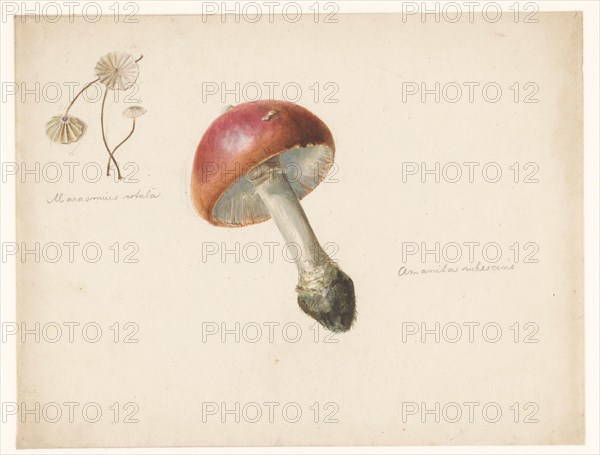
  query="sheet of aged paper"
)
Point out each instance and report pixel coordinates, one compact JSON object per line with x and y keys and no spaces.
{"x":454,"y":204}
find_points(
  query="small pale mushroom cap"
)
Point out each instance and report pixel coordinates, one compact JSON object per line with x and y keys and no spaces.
{"x":134,"y":112}
{"x":117,"y":70}
{"x":64,"y":129}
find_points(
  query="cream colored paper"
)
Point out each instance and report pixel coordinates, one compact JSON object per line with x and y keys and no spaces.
{"x":351,"y":388}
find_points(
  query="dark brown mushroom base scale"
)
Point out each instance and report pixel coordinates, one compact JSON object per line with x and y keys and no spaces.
{"x":333,"y":305}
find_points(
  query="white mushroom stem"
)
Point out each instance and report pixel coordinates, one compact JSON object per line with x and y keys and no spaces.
{"x":325,"y":292}
{"x":275,"y":190}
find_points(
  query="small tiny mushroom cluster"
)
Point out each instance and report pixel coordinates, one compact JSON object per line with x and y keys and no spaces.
{"x":276,"y":147}
{"x":115,"y":71}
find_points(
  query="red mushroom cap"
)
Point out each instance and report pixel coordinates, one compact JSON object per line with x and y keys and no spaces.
{"x":242,"y":138}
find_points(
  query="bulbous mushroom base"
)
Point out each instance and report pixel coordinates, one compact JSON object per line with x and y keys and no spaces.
{"x":329,"y":299}
{"x":324,"y":292}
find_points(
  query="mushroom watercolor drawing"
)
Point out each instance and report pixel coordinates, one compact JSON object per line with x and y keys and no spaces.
{"x":114,"y":71}
{"x":281,"y":152}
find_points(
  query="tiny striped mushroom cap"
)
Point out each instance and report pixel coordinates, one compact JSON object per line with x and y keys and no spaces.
{"x":117,"y":70}
{"x":134,"y":112}
{"x":64,"y":129}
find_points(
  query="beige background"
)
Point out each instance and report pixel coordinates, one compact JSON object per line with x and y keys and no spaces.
{"x":368,"y":213}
